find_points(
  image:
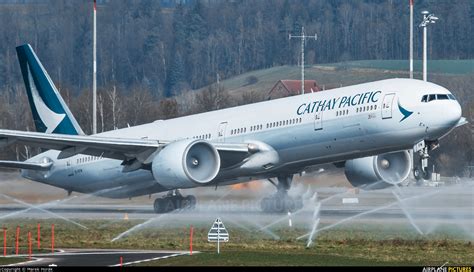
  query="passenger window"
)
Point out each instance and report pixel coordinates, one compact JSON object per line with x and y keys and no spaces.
{"x":431,"y":97}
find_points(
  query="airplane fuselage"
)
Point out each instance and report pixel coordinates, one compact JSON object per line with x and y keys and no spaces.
{"x":304,"y":130}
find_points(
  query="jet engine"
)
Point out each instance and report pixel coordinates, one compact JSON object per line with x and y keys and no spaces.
{"x":186,"y":164}
{"x":378,"y":172}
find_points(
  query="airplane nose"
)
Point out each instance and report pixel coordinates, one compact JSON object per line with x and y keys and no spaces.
{"x":453,"y":114}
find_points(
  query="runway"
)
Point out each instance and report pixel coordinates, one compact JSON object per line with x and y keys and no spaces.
{"x":96,"y":257}
{"x":441,"y":204}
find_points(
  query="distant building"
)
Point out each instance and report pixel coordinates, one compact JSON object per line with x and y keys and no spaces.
{"x":284,"y":88}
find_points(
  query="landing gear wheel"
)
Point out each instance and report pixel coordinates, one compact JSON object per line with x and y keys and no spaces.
{"x":281,"y":202}
{"x":417,"y":173}
{"x":191,"y":200}
{"x":427,"y":174}
{"x":173,"y":201}
{"x":159,"y":205}
{"x":422,"y":170}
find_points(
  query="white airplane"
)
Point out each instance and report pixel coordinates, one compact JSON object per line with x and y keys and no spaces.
{"x":366,"y":128}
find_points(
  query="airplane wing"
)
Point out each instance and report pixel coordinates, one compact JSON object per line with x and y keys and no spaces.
{"x":43,"y":166}
{"x":114,"y":148}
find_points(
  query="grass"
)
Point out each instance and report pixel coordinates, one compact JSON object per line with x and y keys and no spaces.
{"x":434,"y":66}
{"x":335,"y":75}
{"x":11,"y":260}
{"x":361,"y":244}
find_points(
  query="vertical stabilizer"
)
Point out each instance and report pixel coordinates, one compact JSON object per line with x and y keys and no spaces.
{"x":50,"y":112}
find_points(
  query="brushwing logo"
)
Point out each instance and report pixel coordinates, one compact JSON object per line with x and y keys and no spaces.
{"x":49,"y":118}
{"x":406,"y":113}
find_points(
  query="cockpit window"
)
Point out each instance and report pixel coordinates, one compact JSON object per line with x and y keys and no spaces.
{"x":442,"y":97}
{"x":430,"y":97}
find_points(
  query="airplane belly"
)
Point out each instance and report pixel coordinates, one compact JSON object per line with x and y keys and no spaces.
{"x":346,"y":140}
{"x":99,"y":176}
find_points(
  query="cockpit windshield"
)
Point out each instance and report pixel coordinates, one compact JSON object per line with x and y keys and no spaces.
{"x":431,"y":97}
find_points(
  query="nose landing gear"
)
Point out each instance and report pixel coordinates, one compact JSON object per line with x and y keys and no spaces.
{"x":421,"y":170}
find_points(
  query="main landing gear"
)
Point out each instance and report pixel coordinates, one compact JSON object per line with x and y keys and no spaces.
{"x":174,"y":200}
{"x":421,"y":170}
{"x":281,"y":201}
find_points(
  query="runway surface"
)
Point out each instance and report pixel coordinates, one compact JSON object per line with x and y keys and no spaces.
{"x":425,"y":204}
{"x":97,"y":257}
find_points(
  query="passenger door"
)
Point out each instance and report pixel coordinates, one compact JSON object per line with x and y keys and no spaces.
{"x":387,"y":106}
{"x":318,"y":121}
{"x":221,"y":132}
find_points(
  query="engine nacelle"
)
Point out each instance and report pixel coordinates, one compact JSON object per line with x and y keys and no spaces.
{"x":186,"y":164}
{"x":378,"y":172}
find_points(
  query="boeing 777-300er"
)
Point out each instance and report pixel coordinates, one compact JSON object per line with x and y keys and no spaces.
{"x":368,"y":128}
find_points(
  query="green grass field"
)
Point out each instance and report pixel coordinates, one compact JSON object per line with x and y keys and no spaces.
{"x":334,"y":75}
{"x":11,"y":260}
{"x":435,"y":66}
{"x":361,"y":244}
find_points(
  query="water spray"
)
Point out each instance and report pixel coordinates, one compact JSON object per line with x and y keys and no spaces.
{"x":136,"y":227}
{"x":44,"y":210}
{"x":405,"y":211}
{"x":365,"y":213}
{"x":316,"y":220}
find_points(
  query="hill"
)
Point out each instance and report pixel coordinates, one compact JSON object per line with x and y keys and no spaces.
{"x":334,"y":75}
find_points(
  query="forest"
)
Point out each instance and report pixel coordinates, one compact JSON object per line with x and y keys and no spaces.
{"x":171,"y":50}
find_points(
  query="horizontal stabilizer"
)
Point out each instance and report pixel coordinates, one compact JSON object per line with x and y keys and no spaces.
{"x":43,"y":166}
